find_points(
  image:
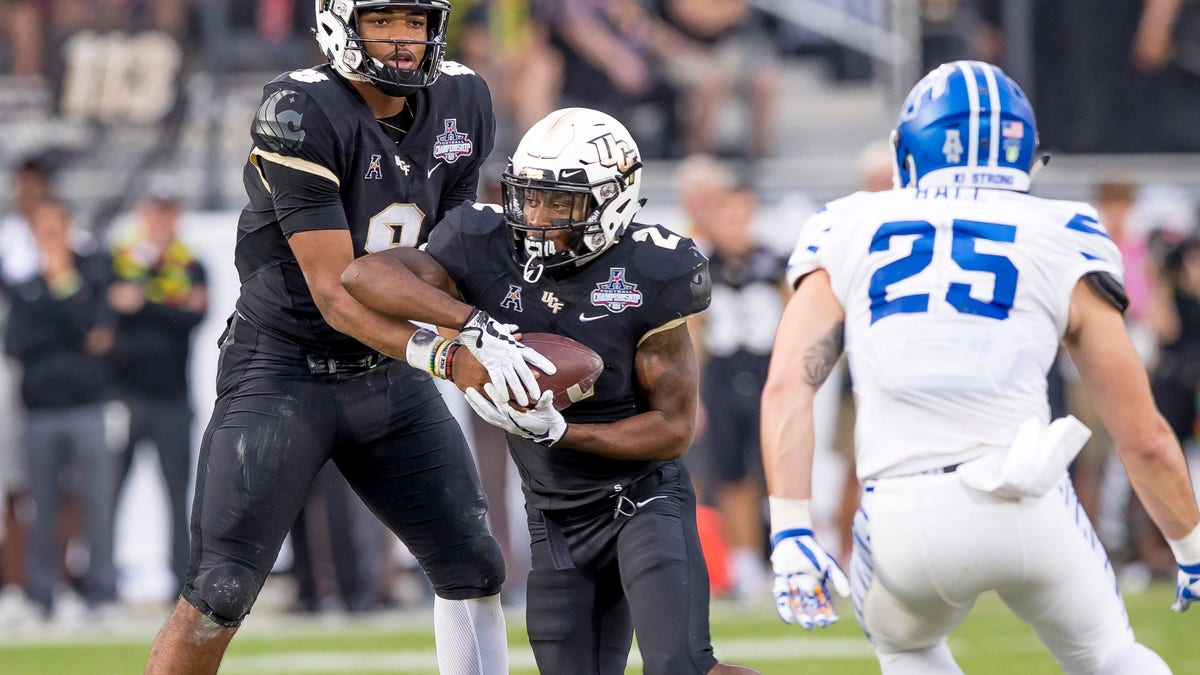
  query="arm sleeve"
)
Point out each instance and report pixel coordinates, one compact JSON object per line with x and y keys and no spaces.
{"x":304,"y":201}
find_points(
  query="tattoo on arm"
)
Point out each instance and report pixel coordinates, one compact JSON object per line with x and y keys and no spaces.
{"x":821,"y":357}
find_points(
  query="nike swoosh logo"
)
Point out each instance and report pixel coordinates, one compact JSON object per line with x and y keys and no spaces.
{"x":435,"y":168}
{"x":585,"y":318}
{"x":648,"y":500}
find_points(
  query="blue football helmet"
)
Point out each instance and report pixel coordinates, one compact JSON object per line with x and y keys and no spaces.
{"x":966,"y":124}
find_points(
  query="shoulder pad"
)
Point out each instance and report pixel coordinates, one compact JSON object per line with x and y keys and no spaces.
{"x":475,"y":218}
{"x":455,"y":69}
{"x":285,"y":118}
{"x":663,"y":255}
{"x":305,"y":76}
{"x":850,"y":201}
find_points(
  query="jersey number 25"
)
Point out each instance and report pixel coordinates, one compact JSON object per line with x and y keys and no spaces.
{"x":962,"y":251}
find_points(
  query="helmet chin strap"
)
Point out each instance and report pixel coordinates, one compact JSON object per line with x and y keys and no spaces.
{"x":530,"y":273}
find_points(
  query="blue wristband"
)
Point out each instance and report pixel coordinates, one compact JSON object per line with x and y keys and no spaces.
{"x":799,"y":532}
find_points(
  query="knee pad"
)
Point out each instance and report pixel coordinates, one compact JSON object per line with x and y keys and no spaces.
{"x":473,"y":572}
{"x":1133,"y":658}
{"x":225,"y":593}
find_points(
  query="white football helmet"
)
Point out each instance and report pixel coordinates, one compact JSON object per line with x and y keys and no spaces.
{"x":585,"y":161}
{"x":337,"y":34}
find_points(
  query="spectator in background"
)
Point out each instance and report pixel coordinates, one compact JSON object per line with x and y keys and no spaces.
{"x":701,"y":183}
{"x":22,"y":31}
{"x":31,"y":184}
{"x":160,"y":295}
{"x":713,"y":50}
{"x":1177,"y":374}
{"x":608,"y":64}
{"x":737,"y":333}
{"x":508,"y":43}
{"x":59,"y":330}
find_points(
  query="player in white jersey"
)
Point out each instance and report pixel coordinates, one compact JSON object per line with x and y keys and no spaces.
{"x":950,"y":295}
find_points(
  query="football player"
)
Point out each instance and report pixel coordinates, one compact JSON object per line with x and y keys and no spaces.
{"x":361,"y":154}
{"x":950,"y":295}
{"x":611,"y":512}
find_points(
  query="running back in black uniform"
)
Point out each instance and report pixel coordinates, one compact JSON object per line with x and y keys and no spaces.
{"x":651,"y":280}
{"x":612,"y":539}
{"x":612,"y":514}
{"x":293,"y":392}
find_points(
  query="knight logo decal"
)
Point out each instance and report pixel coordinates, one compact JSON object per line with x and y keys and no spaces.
{"x":452,"y":144}
{"x":616,"y":293}
{"x":513,"y":299}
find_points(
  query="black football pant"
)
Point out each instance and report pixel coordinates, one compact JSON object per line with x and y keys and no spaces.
{"x":598,"y":578}
{"x":276,"y":424}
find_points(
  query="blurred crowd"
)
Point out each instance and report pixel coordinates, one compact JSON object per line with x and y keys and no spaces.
{"x":96,"y":322}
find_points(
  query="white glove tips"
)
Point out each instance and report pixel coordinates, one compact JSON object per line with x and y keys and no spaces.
{"x":1187,"y":588}
{"x":803,"y":574}
{"x":506,"y":360}
{"x":543,"y":424}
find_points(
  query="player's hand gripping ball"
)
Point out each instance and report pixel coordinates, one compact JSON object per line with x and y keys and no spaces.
{"x":578,"y":367}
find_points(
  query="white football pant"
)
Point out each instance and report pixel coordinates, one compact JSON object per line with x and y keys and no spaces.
{"x":925,"y":547}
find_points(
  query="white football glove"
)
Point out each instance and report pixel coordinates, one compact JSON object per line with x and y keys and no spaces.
{"x":506,"y":360}
{"x":803,"y":574}
{"x":1187,"y":588}
{"x":543,"y":424}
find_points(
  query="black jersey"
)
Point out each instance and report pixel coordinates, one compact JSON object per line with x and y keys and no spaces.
{"x":649,"y":281}
{"x":335,"y":167}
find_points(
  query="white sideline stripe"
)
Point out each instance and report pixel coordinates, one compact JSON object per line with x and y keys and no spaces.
{"x":972,"y":86}
{"x":780,"y":649}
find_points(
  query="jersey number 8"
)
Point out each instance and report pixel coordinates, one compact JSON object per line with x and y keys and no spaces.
{"x":396,"y":225}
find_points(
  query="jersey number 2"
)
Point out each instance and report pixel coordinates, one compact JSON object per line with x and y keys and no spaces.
{"x":962,"y":251}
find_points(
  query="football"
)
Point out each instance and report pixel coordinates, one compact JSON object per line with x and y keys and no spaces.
{"x":578,"y":367}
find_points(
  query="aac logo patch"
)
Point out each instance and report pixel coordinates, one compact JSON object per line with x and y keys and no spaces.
{"x":513,"y":299}
{"x":375,"y":170}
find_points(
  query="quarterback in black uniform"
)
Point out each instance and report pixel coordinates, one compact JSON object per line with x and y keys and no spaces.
{"x":611,"y":512}
{"x":359,"y":155}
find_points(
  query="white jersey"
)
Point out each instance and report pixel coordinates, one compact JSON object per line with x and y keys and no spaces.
{"x":955,"y":302}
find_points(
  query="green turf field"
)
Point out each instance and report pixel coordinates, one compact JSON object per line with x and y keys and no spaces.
{"x":990,"y":642}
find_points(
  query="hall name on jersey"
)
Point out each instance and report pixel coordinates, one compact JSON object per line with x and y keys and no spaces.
{"x":948,"y":193}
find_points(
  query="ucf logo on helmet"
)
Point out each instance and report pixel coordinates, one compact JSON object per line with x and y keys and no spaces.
{"x":615,"y":153}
